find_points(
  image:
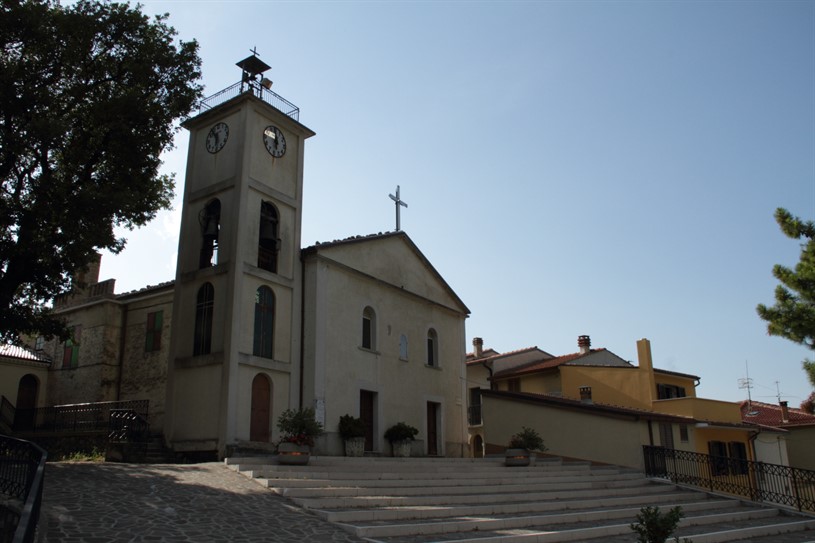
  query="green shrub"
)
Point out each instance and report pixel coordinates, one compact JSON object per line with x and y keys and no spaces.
{"x":655,"y":527}
{"x":527,"y":439}
{"x":401,"y":432}
{"x":351,"y":427}
{"x":299,"y":426}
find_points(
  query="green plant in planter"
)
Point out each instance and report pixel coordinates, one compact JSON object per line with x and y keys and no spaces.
{"x":299,"y":426}
{"x":401,"y":432}
{"x":527,"y":439}
{"x":351,"y":427}
{"x":652,"y":526}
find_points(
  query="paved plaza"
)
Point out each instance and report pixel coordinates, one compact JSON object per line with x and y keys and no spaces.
{"x":100,"y":503}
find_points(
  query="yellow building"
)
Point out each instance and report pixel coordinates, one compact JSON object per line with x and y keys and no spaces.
{"x":592,"y":404}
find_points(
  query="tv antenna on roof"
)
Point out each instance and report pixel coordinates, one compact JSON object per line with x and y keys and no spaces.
{"x":746,"y":382}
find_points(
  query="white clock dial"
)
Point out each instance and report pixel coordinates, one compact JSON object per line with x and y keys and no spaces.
{"x":216,"y":139}
{"x":274,"y":141}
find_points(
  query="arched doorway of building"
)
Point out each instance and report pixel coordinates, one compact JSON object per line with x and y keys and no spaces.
{"x":261,"y":409}
{"x":478,"y":446}
{"x":26,"y":402}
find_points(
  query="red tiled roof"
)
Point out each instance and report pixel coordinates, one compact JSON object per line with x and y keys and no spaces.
{"x":21,"y":353}
{"x":497,"y":355}
{"x":768,"y":414}
{"x":548,"y":363}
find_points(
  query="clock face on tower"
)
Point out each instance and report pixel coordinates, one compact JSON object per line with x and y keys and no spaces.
{"x":274,"y":141}
{"x":216,"y":139}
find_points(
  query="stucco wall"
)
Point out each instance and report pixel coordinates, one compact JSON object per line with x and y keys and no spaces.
{"x":567,"y":433}
{"x":11,"y":371}
{"x":801,"y":447}
{"x":337,"y":367}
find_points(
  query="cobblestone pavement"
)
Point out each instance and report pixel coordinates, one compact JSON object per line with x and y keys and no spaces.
{"x":101,"y":503}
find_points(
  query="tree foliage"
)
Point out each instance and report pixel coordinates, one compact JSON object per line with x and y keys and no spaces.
{"x":793,"y":315}
{"x":89,"y":94}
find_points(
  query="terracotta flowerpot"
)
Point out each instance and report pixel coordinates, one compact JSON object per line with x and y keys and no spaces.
{"x":292,"y":454}
{"x":517,"y":457}
{"x":355,"y":446}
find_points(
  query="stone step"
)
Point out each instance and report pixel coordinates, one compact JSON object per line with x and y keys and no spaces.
{"x":402,"y":513}
{"x":701,"y":528}
{"x":514,"y":522}
{"x":427,"y":501}
{"x":424,"y":500}
{"x":445,"y":489}
{"x":474,"y":479}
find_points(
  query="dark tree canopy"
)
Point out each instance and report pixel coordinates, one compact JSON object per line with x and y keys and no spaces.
{"x":89,"y":98}
{"x":793,"y":315}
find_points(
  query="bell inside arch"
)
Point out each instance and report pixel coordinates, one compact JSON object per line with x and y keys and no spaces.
{"x":211,"y":229}
{"x":268,"y":232}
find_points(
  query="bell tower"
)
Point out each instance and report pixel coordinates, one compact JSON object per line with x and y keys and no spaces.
{"x":236,"y":333}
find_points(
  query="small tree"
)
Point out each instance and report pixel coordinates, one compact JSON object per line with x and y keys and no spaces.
{"x":90,"y":94}
{"x":401,"y":432}
{"x":351,"y":427}
{"x":527,"y":439}
{"x":299,"y":426}
{"x":655,"y":527}
{"x":793,"y":315}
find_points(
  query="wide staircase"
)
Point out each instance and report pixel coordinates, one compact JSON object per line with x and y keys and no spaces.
{"x":421,"y":500}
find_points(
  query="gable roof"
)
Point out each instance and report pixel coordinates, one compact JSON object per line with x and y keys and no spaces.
{"x":491,"y":355}
{"x":767,"y":414}
{"x":352,"y":241}
{"x":541,"y":365}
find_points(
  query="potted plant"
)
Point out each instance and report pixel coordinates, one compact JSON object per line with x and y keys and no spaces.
{"x":352,"y":432}
{"x":521,"y":445}
{"x":299,"y":427}
{"x":400,"y":436}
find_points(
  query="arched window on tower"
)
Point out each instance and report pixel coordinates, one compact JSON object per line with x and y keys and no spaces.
{"x":203,"y":320}
{"x":210,"y":220}
{"x":432,"y":348}
{"x":268,"y":239}
{"x":264,"y":323}
{"x":368,"y":329}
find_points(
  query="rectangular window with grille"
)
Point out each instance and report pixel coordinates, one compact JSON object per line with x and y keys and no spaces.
{"x":152,"y":339}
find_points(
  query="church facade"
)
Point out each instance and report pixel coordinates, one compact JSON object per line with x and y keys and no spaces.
{"x":253,"y":324}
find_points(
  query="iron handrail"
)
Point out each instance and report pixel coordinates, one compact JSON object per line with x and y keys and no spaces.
{"x":22,"y":476}
{"x":72,"y":418}
{"x":757,"y":481}
{"x":267,"y":95}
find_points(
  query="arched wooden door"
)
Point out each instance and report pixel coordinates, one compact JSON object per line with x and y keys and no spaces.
{"x":478,"y":447}
{"x":261,"y":408}
{"x":26,"y":403}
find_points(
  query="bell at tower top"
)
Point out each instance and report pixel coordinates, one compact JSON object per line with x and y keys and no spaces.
{"x":251,"y":68}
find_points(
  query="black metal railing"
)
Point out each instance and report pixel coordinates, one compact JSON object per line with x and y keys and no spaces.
{"x":22,"y":476}
{"x":74,"y":418}
{"x":757,"y":481}
{"x":127,"y":425}
{"x":267,"y":95}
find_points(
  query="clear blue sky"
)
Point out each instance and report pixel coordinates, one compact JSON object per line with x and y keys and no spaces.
{"x":603,"y":168}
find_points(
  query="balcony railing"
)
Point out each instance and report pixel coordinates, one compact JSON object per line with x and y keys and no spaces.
{"x":22,"y":475}
{"x":757,"y":481}
{"x":267,"y":95}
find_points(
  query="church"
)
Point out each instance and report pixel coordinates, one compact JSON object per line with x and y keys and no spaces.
{"x":253,"y":323}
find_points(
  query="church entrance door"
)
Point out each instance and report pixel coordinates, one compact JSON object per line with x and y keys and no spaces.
{"x":261,"y":407}
{"x":366,"y":413}
{"x":433,"y":410}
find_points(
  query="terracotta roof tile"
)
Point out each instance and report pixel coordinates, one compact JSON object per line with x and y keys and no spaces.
{"x":22,"y":353}
{"x":767,"y":414}
{"x":548,"y":363}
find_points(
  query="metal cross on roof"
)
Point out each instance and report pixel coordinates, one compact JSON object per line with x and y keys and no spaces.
{"x":399,"y":203}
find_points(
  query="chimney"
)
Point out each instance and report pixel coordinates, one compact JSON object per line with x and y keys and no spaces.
{"x":585,"y":394}
{"x":88,"y":275}
{"x":785,"y":412}
{"x":584,"y":343}
{"x":478,"y":347}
